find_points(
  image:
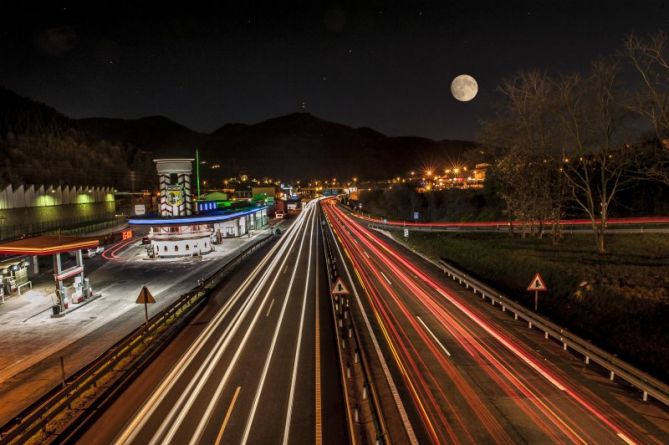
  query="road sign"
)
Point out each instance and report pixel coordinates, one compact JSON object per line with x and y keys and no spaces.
{"x":537,"y":284}
{"x":416,"y":215}
{"x":406,"y":233}
{"x":339,"y":288}
{"x":145,"y":297}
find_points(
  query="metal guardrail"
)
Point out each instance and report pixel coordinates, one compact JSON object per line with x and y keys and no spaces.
{"x":647,"y":384}
{"x":354,"y":367}
{"x":502,"y":229}
{"x":83,"y":388}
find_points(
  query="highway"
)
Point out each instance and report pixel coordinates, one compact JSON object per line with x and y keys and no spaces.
{"x":464,"y":372}
{"x":257,"y":365}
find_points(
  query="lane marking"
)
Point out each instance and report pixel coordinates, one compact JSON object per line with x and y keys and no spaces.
{"x":285,"y":269}
{"x":366,"y":254}
{"x":386,"y":278}
{"x":319,"y":413}
{"x":227,"y":416}
{"x":206,"y":367}
{"x":433,"y":336}
{"x":149,"y":407}
{"x":293,"y":381}
{"x":231,"y":366}
{"x":270,"y":307}
{"x":270,"y":354}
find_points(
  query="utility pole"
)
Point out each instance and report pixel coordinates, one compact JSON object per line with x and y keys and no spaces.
{"x":197,"y":172}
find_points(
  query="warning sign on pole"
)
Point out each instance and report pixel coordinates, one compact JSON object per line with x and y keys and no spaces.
{"x":145,"y":296}
{"x":339,"y":288}
{"x":537,"y":284}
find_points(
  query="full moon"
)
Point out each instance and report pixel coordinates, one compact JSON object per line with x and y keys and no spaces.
{"x":464,"y":88}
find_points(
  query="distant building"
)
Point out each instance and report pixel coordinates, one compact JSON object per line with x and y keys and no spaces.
{"x":478,"y":174}
{"x":243,"y":192}
{"x":267,"y":190}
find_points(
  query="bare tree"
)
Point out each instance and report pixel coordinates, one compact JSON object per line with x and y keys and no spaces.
{"x":595,"y":159}
{"x":532,"y":186}
{"x":650,"y":58}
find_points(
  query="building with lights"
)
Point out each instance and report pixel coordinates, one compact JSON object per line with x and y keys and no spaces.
{"x":178,"y":231}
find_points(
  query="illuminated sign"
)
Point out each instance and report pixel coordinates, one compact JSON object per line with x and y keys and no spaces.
{"x":191,"y":219}
{"x":175,"y":195}
{"x":207,"y":205}
{"x":126,"y":234}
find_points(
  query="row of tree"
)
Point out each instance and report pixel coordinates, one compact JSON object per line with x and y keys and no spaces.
{"x":39,"y":145}
{"x":578,"y":140}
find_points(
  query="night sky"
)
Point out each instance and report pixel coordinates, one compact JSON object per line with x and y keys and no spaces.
{"x":385,"y":65}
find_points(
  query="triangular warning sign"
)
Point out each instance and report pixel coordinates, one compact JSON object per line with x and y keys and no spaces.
{"x":537,"y":284}
{"x":339,"y":288}
{"x":145,"y":297}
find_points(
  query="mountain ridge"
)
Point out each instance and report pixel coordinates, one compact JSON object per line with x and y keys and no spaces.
{"x":294,"y":146}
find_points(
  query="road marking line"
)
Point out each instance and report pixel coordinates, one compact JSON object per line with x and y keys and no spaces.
{"x":319,"y":413}
{"x":196,"y":436}
{"x":159,"y":393}
{"x":386,"y":278}
{"x":291,"y":397}
{"x":366,"y":254}
{"x":221,"y":345}
{"x":227,"y":416}
{"x":285,"y":269}
{"x":433,"y":336}
{"x":270,"y":354}
{"x":269,"y":308}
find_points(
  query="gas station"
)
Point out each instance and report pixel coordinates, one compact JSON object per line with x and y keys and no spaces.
{"x":177,"y":231}
{"x":71,"y":285}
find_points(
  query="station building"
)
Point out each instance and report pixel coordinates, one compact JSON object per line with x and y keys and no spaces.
{"x":178,"y":231}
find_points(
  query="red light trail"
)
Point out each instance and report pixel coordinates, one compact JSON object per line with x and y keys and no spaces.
{"x":454,"y":395}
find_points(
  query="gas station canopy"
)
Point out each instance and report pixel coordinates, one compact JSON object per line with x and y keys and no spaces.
{"x":47,"y":245}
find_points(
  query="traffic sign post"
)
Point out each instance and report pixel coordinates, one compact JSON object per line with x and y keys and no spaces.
{"x":537,"y":285}
{"x":339,"y":288}
{"x":145,"y":298}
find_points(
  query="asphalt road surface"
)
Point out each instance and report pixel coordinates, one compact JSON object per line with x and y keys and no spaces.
{"x":466,"y":372}
{"x":257,"y":365}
